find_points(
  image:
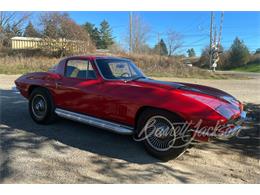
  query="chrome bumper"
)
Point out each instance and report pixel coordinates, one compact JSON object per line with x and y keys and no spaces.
{"x":235,"y":130}
{"x":230,"y":132}
{"x":15,"y":90}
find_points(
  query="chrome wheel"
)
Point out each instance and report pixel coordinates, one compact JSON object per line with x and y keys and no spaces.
{"x":160,"y":133}
{"x":39,"y":106}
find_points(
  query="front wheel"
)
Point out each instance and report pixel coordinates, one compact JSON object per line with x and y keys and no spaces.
{"x":41,"y":106}
{"x":162,"y":134}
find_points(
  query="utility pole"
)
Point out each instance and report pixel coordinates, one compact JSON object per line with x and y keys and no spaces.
{"x":215,"y":35}
{"x":220,"y":30}
{"x":130,"y":33}
{"x":214,"y":41}
{"x":210,"y":44}
{"x":159,"y":48}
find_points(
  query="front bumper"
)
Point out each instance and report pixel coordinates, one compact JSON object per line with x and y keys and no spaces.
{"x":232,"y":129}
{"x":236,"y":127}
{"x":15,"y":90}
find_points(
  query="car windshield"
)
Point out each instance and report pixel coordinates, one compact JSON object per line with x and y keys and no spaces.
{"x":119,"y":69}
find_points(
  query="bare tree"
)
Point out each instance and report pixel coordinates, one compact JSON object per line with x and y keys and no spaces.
{"x":15,"y":19}
{"x":173,"y":41}
{"x":61,"y":32}
{"x":59,"y":25}
{"x":140,"y":34}
{"x":11,"y":24}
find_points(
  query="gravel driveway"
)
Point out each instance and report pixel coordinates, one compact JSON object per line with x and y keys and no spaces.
{"x":69,"y":152}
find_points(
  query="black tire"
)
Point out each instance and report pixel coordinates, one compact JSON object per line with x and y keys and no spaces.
{"x":179,"y":146}
{"x":41,"y":106}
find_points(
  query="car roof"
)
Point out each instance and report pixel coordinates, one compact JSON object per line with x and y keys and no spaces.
{"x":93,"y":57}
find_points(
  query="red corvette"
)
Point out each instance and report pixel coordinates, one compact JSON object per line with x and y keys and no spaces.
{"x":113,"y":94}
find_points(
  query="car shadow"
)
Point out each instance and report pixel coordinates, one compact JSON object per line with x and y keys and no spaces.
{"x":247,"y":141}
{"x":15,"y":117}
{"x":19,"y":133}
{"x":84,"y":137}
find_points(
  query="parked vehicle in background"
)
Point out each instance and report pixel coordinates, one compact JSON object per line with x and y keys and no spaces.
{"x":188,"y":63}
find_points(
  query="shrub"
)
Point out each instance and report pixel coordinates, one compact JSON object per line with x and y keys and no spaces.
{"x":254,"y":59}
{"x":239,"y":53}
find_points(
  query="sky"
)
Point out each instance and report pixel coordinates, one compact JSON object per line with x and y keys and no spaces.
{"x":193,"y":26}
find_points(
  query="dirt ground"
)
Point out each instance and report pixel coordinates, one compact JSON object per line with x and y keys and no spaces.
{"x":69,"y":152}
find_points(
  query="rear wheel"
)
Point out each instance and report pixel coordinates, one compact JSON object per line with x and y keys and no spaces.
{"x":161,"y":133}
{"x":41,"y":106}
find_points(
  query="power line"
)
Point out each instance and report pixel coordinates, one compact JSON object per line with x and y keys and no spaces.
{"x":197,"y":41}
{"x":185,"y":35}
{"x":193,"y":24}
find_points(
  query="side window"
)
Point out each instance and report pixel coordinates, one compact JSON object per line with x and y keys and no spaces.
{"x":81,"y":69}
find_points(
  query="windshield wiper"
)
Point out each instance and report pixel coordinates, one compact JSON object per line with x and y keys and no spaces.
{"x":136,"y":78}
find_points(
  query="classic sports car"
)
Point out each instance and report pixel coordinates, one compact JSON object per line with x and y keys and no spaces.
{"x":113,"y":94}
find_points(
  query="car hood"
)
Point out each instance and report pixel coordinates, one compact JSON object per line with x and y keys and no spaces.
{"x":195,"y":88}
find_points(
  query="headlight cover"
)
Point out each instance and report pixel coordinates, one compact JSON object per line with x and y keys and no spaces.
{"x":214,"y":104}
{"x":224,"y":111}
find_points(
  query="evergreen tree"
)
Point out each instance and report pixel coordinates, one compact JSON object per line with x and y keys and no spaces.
{"x":53,"y":24}
{"x":105,"y":32}
{"x":191,"y":52}
{"x":50,"y":30}
{"x":30,"y":31}
{"x":239,"y":53}
{"x":93,"y":33}
{"x":161,"y":48}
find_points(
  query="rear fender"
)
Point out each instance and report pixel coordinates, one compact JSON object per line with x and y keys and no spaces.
{"x":26,"y":83}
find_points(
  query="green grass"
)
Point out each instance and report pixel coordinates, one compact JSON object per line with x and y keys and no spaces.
{"x":248,"y":68}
